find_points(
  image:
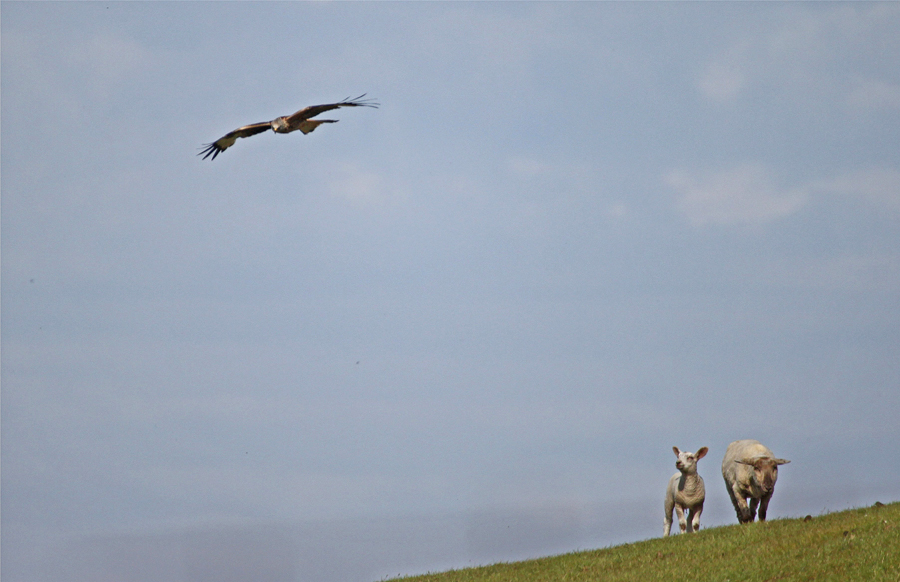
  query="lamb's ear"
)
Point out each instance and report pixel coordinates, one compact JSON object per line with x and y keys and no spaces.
{"x":751,"y":462}
{"x":677,"y":452}
{"x":781,"y":461}
{"x":702,"y":452}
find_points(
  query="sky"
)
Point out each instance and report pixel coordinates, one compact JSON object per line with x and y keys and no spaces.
{"x":465,"y":327}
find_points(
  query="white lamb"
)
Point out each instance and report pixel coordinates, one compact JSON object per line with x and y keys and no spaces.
{"x":685,"y":492}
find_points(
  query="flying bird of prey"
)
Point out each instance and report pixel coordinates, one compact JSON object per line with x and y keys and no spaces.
{"x":285,"y":124}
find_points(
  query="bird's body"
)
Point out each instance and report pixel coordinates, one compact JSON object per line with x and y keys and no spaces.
{"x":284,"y":124}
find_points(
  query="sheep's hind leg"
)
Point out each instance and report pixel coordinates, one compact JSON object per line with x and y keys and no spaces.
{"x":667,"y":520}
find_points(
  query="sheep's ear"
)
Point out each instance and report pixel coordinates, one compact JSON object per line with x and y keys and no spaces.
{"x":781,"y":461}
{"x":677,"y":452}
{"x":751,"y":462}
{"x":702,"y":452}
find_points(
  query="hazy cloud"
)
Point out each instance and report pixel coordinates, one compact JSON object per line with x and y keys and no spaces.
{"x":747,"y":194}
{"x":722,"y":81}
{"x":809,"y":56}
{"x":872,"y":94}
{"x":879,"y":186}
{"x":744,"y":194}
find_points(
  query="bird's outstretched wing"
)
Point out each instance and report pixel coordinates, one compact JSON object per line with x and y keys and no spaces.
{"x":313,"y":110}
{"x":226,"y":141}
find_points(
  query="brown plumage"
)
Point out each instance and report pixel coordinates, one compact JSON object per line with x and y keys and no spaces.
{"x":284,"y":124}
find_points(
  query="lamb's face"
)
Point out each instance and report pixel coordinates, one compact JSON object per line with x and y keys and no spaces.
{"x":686,"y":462}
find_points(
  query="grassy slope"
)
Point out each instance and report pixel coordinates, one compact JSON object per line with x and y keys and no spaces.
{"x":855,"y":545}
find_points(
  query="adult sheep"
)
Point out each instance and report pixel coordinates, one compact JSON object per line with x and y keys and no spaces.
{"x":750,"y":470}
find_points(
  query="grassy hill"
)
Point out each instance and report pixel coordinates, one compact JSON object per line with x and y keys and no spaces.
{"x":855,"y":545}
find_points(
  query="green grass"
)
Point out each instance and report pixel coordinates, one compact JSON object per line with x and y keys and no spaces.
{"x":855,"y":545}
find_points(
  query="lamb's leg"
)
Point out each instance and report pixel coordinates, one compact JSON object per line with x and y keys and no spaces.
{"x":694,"y":522}
{"x":682,"y":522}
{"x":667,"y":521}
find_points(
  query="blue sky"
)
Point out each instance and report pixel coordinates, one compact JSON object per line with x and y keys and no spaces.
{"x":465,"y":327}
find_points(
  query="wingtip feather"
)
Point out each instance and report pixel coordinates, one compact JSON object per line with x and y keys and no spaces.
{"x":360,"y":102}
{"x":210,"y":149}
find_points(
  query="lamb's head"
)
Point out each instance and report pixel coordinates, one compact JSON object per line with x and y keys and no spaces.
{"x":687,"y":462}
{"x":765,"y":471}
